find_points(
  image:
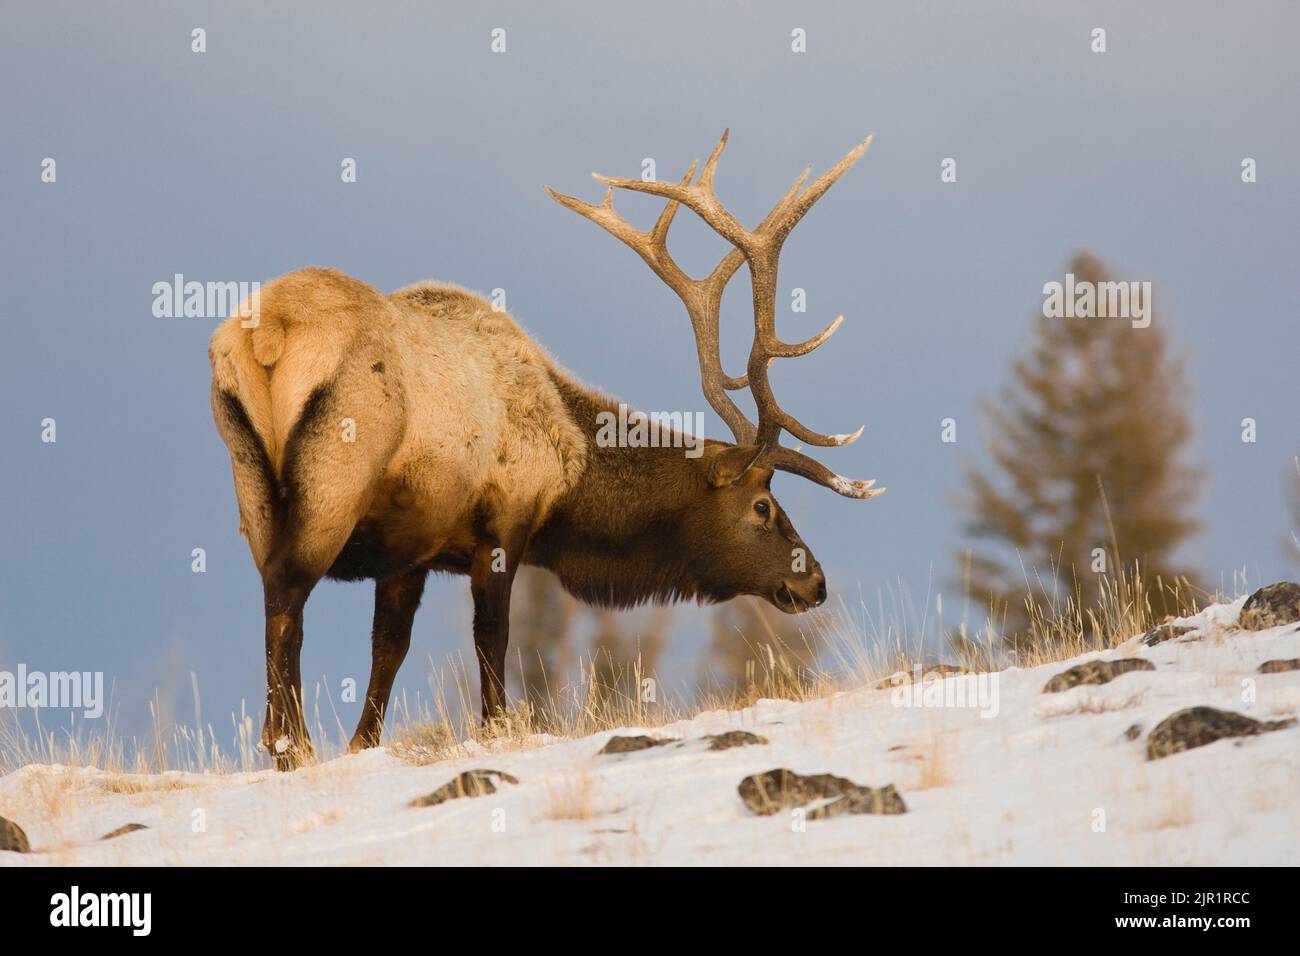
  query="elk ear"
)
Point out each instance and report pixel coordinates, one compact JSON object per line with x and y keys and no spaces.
{"x":729,"y":466}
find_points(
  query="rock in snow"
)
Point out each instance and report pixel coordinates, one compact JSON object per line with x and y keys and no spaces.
{"x":1095,"y":672}
{"x":1197,"y":726}
{"x":776,"y":790}
{"x":12,"y":837}
{"x":471,"y":783}
{"x":1278,"y":667}
{"x":627,"y":745}
{"x":1271,"y":606}
{"x":1163,"y":632}
{"x":123,"y":830}
{"x":928,"y":673}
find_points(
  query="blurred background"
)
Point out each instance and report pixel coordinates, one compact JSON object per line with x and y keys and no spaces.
{"x":225,"y":166}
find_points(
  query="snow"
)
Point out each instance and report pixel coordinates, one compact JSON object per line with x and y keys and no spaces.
{"x":1039,"y":779}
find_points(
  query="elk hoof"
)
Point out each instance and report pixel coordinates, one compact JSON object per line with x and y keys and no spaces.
{"x":290,"y":754}
{"x":362,"y":742}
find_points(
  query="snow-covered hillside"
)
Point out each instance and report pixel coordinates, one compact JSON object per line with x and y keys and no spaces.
{"x":992,"y":772}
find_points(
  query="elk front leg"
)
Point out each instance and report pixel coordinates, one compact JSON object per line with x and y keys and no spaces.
{"x":491,"y":577}
{"x":396,"y":600}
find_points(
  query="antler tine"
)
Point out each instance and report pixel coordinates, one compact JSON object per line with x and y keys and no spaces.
{"x":659,"y":233}
{"x":702,"y":297}
{"x":697,"y":196}
{"x":711,"y":167}
{"x":797,"y":349}
{"x":818,"y":189}
{"x":785,"y":201}
{"x":652,"y":245}
{"x":794,"y":463}
{"x":772,"y":419}
{"x":604,"y":216}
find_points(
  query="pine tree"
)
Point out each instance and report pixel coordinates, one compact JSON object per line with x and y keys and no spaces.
{"x":1086,"y":447}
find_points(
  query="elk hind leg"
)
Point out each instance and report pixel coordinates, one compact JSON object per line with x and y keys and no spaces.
{"x":327,"y":481}
{"x":285,"y":587}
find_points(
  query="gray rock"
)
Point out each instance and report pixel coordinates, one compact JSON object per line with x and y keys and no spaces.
{"x":12,"y":837}
{"x":1271,"y":606}
{"x":1277,"y":667}
{"x":929,"y":673}
{"x":1164,"y":632}
{"x":123,"y":830}
{"x":1134,"y":732}
{"x":471,"y":783}
{"x":626,"y":745}
{"x":773,"y":791}
{"x":734,"y":738}
{"x":1197,"y":726}
{"x":1095,"y":672}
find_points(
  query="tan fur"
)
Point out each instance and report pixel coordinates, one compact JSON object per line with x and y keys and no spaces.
{"x":455,"y":411}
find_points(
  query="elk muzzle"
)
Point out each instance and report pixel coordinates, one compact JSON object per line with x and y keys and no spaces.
{"x":799,"y":594}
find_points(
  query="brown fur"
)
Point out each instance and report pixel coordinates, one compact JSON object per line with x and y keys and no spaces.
{"x":470,"y":452}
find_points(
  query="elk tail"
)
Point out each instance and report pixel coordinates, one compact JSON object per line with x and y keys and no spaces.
{"x":267,"y":335}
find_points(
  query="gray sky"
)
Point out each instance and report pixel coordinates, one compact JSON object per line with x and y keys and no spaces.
{"x":225,"y":166}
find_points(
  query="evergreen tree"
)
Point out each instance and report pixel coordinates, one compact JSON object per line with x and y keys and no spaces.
{"x":1086,"y":447}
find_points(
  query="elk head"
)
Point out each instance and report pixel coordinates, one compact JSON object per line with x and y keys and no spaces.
{"x":743,"y":535}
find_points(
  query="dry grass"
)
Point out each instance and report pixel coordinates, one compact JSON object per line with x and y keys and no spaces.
{"x":574,"y":796}
{"x":601,"y":696}
{"x":98,"y":745}
{"x":860,"y":646}
{"x":423,"y":742}
{"x":935,"y":766}
{"x":134,"y":784}
{"x":54,"y":792}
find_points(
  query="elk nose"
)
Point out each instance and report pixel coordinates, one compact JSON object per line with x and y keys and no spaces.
{"x":820,"y":583}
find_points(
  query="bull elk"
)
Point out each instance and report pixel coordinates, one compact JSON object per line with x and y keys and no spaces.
{"x":382,"y":437}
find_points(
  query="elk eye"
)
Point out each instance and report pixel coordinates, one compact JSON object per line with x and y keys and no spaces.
{"x":763,"y":509}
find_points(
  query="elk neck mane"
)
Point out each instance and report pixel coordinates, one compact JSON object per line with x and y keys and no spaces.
{"x":613,"y":537}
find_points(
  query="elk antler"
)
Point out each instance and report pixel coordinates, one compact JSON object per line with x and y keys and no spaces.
{"x":760,"y":248}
